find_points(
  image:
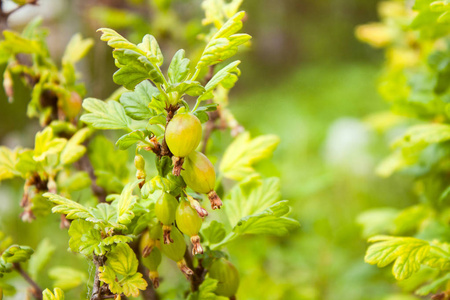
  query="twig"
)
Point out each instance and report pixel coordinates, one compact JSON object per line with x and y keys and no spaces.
{"x":170,"y":113}
{"x":199,"y":273}
{"x":36,"y":290}
{"x":97,"y":293}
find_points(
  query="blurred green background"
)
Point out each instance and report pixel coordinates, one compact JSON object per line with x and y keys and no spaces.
{"x":305,"y":78}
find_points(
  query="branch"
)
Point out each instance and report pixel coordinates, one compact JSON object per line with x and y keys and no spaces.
{"x":199,"y":273}
{"x":97,"y":293}
{"x":170,"y":113}
{"x":36,"y":290}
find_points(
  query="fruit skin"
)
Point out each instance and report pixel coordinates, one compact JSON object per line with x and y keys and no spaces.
{"x":175,"y":251}
{"x":139,"y":163}
{"x":200,"y":176}
{"x":146,"y":244}
{"x":189,"y":223}
{"x":183,"y":134}
{"x":187,"y":219}
{"x":199,"y":173}
{"x":153,"y":260}
{"x":227,"y":275}
{"x":155,"y":231}
{"x":150,"y":239}
{"x":165,"y":208}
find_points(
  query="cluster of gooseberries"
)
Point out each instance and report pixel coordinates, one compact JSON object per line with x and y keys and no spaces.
{"x":182,"y":214}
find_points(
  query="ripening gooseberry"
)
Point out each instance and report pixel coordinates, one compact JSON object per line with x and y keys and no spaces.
{"x":189,"y":223}
{"x":200,"y":176}
{"x":152,"y":261}
{"x":150,"y":239}
{"x":227,"y":275}
{"x":175,"y":251}
{"x":183,"y":134}
{"x":165,"y":208}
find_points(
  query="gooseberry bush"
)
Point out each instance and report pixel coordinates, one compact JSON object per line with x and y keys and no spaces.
{"x":178,"y":206}
{"x":415,"y":82}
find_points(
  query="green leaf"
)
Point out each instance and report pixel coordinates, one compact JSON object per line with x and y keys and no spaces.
{"x":136,"y":63}
{"x":72,"y":209}
{"x":407,"y":253}
{"x":192,"y":88}
{"x":14,"y":43}
{"x":84,"y":238}
{"x":116,"y":239}
{"x":214,"y":233}
{"x":41,"y":257}
{"x":239,"y":157}
{"x":125,"y":204}
{"x":116,"y":41}
{"x":132,"y":284}
{"x":227,"y":77}
{"x":25,"y":163}
{"x":105,"y":115}
{"x":135,"y":68}
{"x":201,"y":114}
{"x":410,"y":146}
{"x":179,"y":67}
{"x":394,"y":162}
{"x":224,"y":43}
{"x":424,"y":134}
{"x":7,"y":163}
{"x":206,"y":291}
{"x":151,"y":48}
{"x":77,"y":48}
{"x":253,"y":207}
{"x":270,"y":221}
{"x":73,"y":150}
{"x":57,"y":294}
{"x":4,"y":267}
{"x":137,"y":103}
{"x":217,"y":11}
{"x":108,"y":276}
{"x":251,"y":197}
{"x":66,"y":278}
{"x":129,"y":139}
{"x":106,"y":215}
{"x":46,"y":144}
{"x":123,"y":260}
{"x":433,"y":286}
{"x":17,"y":254}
